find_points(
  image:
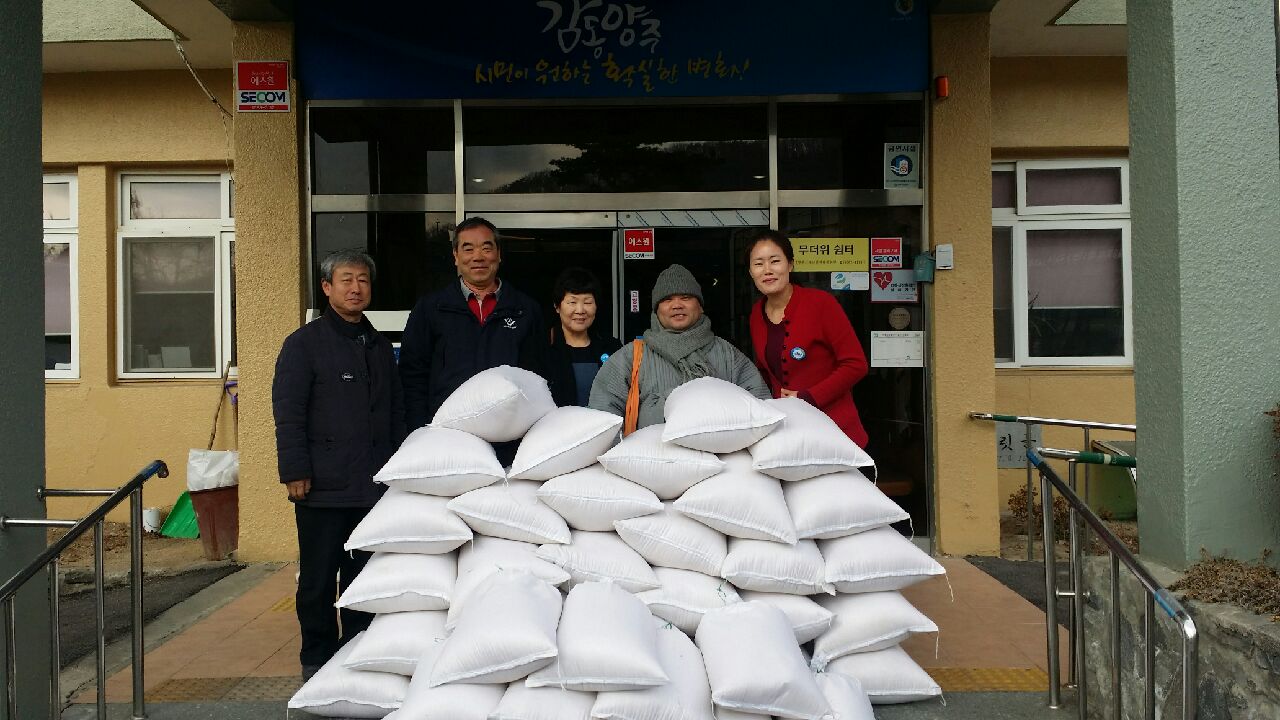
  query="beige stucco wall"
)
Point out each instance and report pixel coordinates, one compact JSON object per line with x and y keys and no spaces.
{"x":963,"y":377}
{"x":1044,"y":106}
{"x":100,"y":431}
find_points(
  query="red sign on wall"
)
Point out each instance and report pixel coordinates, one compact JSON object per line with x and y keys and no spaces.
{"x":886,"y":253}
{"x":637,"y":244}
{"x":262,"y":86}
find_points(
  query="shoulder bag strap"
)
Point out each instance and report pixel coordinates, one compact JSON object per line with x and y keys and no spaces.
{"x":632,"y":418}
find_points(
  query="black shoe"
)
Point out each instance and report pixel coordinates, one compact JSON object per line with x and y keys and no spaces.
{"x":309,"y":671}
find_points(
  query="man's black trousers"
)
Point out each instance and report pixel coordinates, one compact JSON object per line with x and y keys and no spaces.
{"x":325,"y":570}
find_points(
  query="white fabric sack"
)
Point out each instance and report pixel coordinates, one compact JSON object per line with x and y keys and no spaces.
{"x":521,"y":702}
{"x":847,"y":698}
{"x":806,"y":444}
{"x":866,"y":622}
{"x":512,"y":511}
{"x":484,"y":556}
{"x":499,"y":404}
{"x":335,"y":691}
{"x":592,"y":498}
{"x":565,"y":439}
{"x":686,"y":697}
{"x":754,"y":664}
{"x":887,"y":676}
{"x":685,"y":596}
{"x":876,"y":560}
{"x":456,"y":701}
{"x":740,"y":502}
{"x":607,"y":641}
{"x":593,"y":556}
{"x":665,"y":468}
{"x":210,"y":469}
{"x":776,"y":568}
{"x":402,"y":582}
{"x":407,"y":522}
{"x":808,"y":619}
{"x":506,"y":631}
{"x":441,"y":461}
{"x":394,"y":642}
{"x":716,"y":416}
{"x":839,"y":504}
{"x":672,"y":539}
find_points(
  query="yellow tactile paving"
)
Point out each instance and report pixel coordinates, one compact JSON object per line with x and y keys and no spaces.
{"x":990,"y":679}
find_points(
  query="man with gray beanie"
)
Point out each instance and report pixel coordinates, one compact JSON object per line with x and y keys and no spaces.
{"x":678,"y":347}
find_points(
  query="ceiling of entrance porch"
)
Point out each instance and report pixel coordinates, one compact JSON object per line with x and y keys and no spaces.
{"x":1058,"y":27}
{"x":115,"y":35}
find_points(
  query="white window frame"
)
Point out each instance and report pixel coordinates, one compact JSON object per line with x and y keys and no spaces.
{"x":1070,"y":217}
{"x":67,"y":232}
{"x":220,"y":230}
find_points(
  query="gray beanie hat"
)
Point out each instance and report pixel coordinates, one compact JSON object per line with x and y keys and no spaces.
{"x":676,"y":280}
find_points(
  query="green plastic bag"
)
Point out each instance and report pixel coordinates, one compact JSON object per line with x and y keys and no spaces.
{"x":181,"y":522}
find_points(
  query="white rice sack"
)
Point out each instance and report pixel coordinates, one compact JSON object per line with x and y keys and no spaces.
{"x":866,"y":622}
{"x":847,"y":698}
{"x":484,"y":556}
{"x":402,"y":582}
{"x":876,"y":560}
{"x":755,"y":665}
{"x":499,"y":404}
{"x":674,"y":540}
{"x":839,"y":504}
{"x":806,"y":444}
{"x":511,"y":511}
{"x":441,"y":461}
{"x":888,"y":676}
{"x":565,"y":439}
{"x":776,"y":568}
{"x":407,"y":522}
{"x":394,"y":642}
{"x":665,"y":468}
{"x":521,"y":702}
{"x":456,"y":701}
{"x":740,"y":502}
{"x":336,"y":691}
{"x":506,"y":631}
{"x":592,"y":556}
{"x":607,"y":641}
{"x":593,"y":498}
{"x":685,"y":596}
{"x":686,"y":697}
{"x":717,"y":416}
{"x":808,"y":619}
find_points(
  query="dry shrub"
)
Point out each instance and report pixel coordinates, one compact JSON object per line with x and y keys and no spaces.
{"x":1061,"y":512}
{"x":1252,"y":585}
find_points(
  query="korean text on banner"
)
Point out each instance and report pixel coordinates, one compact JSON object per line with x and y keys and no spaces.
{"x":830,"y":254}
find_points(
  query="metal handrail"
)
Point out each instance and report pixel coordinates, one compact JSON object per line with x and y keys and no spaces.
{"x":48,"y":560}
{"x":1120,"y":555}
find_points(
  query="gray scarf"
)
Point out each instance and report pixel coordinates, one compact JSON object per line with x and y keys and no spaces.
{"x":687,"y":349}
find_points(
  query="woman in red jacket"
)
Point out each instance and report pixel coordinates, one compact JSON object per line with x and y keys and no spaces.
{"x":803,"y":342}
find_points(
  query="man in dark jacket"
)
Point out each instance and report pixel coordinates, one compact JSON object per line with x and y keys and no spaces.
{"x":475,"y":324}
{"x":339,"y":416}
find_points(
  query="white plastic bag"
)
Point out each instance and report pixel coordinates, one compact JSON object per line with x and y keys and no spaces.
{"x":866,"y":622}
{"x":754,"y":664}
{"x":456,"y":701}
{"x":806,"y":444}
{"x":665,"y":468}
{"x":522,"y":702}
{"x":499,"y":404}
{"x":607,"y":641}
{"x":402,"y":582}
{"x":716,"y":416}
{"x":776,"y":568}
{"x":592,"y":556}
{"x":847,"y":698}
{"x":406,"y":522}
{"x":484,"y":556}
{"x":511,"y":511}
{"x":808,"y":619}
{"x":336,"y":691}
{"x":685,"y":596}
{"x":876,"y":560}
{"x":565,"y":439}
{"x":674,"y":540}
{"x":740,"y":502}
{"x":506,"y":631}
{"x":441,"y":461}
{"x":839,"y":504}
{"x":686,"y":697}
{"x":210,"y":469}
{"x":888,"y":676}
{"x":394,"y":642}
{"x":593,"y":498}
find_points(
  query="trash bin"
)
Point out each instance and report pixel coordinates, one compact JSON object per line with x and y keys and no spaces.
{"x":1111,"y":488}
{"x":218,"y":516}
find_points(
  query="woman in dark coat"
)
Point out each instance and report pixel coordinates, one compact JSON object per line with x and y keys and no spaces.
{"x":577,"y":350}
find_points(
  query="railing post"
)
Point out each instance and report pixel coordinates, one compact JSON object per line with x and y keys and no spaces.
{"x":99,"y":616}
{"x":135,"y":601}
{"x":10,"y":659}
{"x":1117,"y":703}
{"x":1050,"y":595}
{"x":1149,"y":654}
{"x":1073,"y":668}
{"x":1031,"y":505}
{"x":55,"y":645}
{"x":1077,"y":613}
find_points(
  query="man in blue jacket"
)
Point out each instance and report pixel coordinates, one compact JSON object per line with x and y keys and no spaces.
{"x":339,"y":416}
{"x":477,"y":323}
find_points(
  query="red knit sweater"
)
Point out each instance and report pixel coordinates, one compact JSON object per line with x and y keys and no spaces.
{"x":821,"y":355}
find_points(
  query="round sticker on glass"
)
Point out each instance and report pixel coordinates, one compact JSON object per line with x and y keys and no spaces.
{"x":899,"y":318}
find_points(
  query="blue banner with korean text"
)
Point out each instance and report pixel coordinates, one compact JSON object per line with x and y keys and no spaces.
{"x":386,"y":49}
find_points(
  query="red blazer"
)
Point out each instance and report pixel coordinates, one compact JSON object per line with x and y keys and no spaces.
{"x":831,"y":361}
